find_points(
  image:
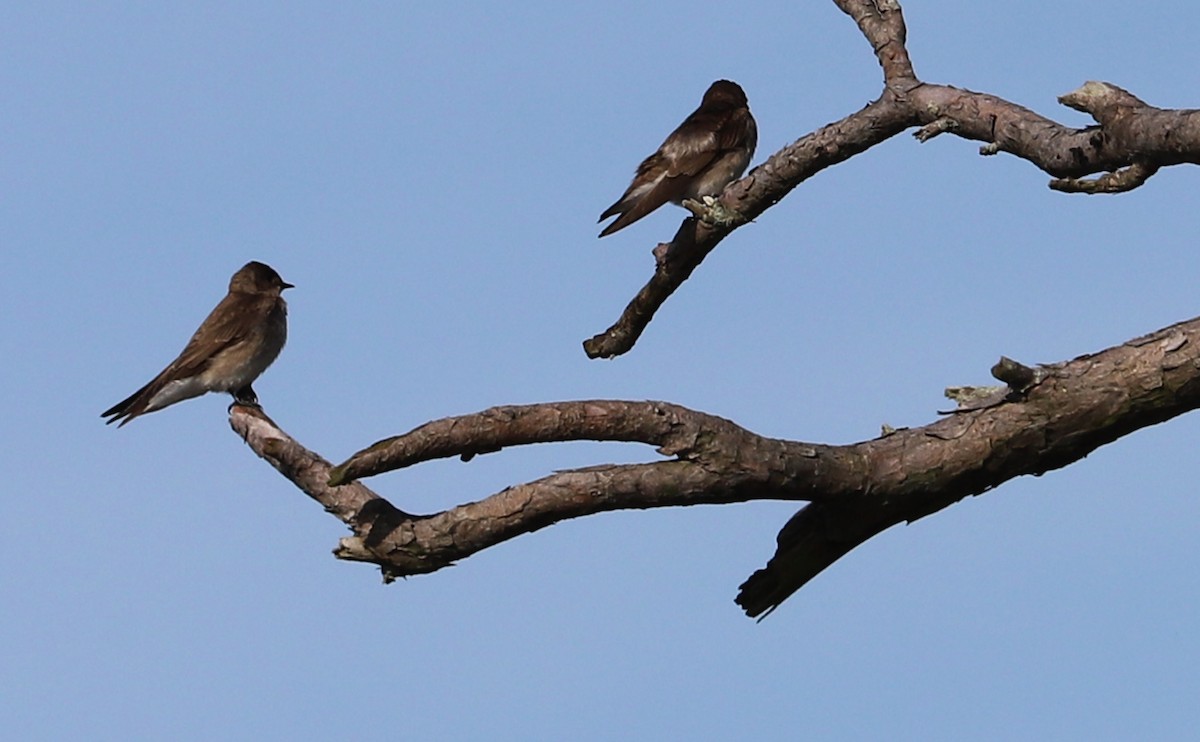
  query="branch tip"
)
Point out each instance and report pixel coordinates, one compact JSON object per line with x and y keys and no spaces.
{"x":1094,"y":97}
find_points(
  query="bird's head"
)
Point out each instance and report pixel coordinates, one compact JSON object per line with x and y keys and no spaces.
{"x":257,"y":278}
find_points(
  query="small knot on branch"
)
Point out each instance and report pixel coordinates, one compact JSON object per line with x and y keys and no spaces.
{"x":971,"y":398}
{"x":931,"y":130}
{"x":1121,"y":181}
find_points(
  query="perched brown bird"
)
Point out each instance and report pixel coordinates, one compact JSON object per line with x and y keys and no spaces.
{"x":709,"y":150}
{"x":236,"y":343}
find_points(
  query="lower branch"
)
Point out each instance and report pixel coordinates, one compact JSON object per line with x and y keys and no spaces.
{"x":1046,"y":417}
{"x":1056,"y":418}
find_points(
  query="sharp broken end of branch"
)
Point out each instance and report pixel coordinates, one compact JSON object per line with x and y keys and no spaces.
{"x":608,"y":344}
{"x":672,"y":266}
{"x":1017,"y":376}
{"x":1097,"y":99}
{"x":375,"y":543}
{"x":620,"y":338}
{"x":353,"y":549}
{"x":1120,"y":181}
{"x":1083,"y":97}
{"x":812,"y":540}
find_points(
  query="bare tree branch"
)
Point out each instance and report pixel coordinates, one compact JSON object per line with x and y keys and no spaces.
{"x":1060,"y":414}
{"x":1133,"y":140}
{"x":1049,"y":417}
{"x":302,"y":467}
{"x":675,"y":430}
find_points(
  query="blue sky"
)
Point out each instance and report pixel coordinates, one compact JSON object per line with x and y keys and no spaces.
{"x":429,"y":177}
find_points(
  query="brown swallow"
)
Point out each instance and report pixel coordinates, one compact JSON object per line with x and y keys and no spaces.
{"x":709,"y":150}
{"x":234,"y":344}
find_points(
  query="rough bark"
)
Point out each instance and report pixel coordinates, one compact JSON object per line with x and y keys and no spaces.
{"x":1045,"y":417}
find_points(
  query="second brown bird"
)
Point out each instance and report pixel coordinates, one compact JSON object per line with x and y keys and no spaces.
{"x":709,"y":150}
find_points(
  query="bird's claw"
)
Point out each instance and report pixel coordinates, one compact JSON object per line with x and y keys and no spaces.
{"x":711,"y":211}
{"x":245,"y":397}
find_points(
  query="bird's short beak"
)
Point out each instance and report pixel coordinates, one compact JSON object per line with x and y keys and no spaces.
{"x":287,"y":285}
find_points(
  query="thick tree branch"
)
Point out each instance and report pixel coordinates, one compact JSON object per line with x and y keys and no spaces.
{"x":1132,"y":142}
{"x":1059,"y":415}
{"x":675,"y":430}
{"x":1049,"y":416}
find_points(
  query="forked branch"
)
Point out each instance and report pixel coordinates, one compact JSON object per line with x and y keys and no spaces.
{"x":1045,"y":418}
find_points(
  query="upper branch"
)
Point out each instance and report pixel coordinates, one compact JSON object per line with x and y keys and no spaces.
{"x":675,"y":430}
{"x":1133,"y":140}
{"x":763,"y":187}
{"x":882,"y":22}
